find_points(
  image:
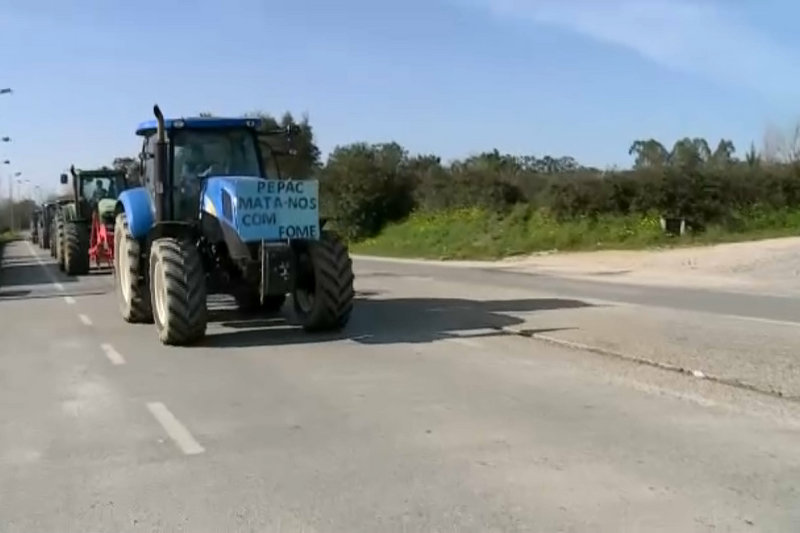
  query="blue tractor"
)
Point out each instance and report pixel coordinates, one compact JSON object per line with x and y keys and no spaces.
{"x":208,"y":219}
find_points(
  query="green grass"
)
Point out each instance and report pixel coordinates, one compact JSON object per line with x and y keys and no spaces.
{"x":478,"y":234}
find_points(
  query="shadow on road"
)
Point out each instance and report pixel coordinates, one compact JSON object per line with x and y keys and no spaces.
{"x":18,"y":272}
{"x":17,"y":294}
{"x":392,"y":320}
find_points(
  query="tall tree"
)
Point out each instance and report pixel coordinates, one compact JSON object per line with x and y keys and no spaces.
{"x":649,"y":153}
{"x":686,"y":153}
{"x":131,"y":167}
{"x":301,"y":160}
{"x":723,"y":155}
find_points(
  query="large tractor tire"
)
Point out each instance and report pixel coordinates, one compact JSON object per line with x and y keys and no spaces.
{"x":324,"y":293}
{"x":133,"y":295}
{"x":52,"y":239}
{"x":76,"y":249}
{"x":178,"y":291}
{"x":60,"y":242}
{"x":249,"y":301}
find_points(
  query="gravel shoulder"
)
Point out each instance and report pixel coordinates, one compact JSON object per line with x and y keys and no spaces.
{"x":768,"y":266}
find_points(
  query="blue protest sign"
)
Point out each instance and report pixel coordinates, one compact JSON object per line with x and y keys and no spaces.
{"x":275,"y":210}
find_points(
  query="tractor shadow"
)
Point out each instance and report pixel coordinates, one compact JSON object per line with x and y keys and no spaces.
{"x":378,"y":321}
{"x":28,"y":271}
{"x":15,"y":295}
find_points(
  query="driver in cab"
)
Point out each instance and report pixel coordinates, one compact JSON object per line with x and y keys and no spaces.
{"x":100,"y":192}
{"x":193,"y":164}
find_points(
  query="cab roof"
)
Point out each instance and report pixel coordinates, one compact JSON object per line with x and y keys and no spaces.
{"x":149,"y":127}
{"x":100,"y":173}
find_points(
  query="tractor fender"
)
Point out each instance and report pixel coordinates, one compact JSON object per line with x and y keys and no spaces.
{"x":138,"y":209}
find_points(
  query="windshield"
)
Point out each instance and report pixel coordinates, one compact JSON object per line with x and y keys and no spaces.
{"x":201,"y":153}
{"x":96,"y":189}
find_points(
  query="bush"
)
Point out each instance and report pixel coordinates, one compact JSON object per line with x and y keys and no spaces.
{"x":365,"y":190}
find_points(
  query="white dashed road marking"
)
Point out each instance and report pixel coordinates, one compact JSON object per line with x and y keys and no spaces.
{"x":70,"y":300}
{"x":177,"y":431}
{"x":85,"y":319}
{"x":113,"y":355}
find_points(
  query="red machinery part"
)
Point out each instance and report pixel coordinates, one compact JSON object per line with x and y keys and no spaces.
{"x":101,"y":245}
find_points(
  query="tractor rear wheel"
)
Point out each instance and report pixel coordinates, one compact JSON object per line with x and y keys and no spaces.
{"x":324,"y":293}
{"x":52,"y":239}
{"x":132,"y":292}
{"x":178,"y":291}
{"x":249,"y":302}
{"x":76,"y":249}
{"x":60,"y":242}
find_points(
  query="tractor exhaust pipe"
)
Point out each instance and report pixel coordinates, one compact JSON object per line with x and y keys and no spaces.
{"x":76,"y":185}
{"x":163,"y":192}
{"x":161,"y":131}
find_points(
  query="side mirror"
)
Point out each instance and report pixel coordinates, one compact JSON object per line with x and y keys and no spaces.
{"x":64,"y":179}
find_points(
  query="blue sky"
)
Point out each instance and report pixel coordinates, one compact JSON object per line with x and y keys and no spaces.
{"x":452,"y":77}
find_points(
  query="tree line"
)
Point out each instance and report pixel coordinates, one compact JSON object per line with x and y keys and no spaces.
{"x":364,"y":186}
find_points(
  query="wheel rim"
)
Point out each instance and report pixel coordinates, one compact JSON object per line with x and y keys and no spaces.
{"x":124,"y":275}
{"x":160,"y":294}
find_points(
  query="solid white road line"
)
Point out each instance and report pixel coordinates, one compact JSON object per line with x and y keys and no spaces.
{"x":113,"y":355}
{"x":177,"y":431}
{"x":85,"y":319}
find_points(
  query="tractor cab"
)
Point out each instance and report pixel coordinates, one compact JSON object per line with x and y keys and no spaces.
{"x":195,"y":151}
{"x":48,"y":213}
{"x":96,"y":191}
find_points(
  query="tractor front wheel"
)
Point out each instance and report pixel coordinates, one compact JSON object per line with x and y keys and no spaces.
{"x":132,"y":293}
{"x":76,"y":249}
{"x":323,"y":296}
{"x":178,"y":291}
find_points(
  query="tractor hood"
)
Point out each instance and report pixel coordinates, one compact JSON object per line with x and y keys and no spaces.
{"x":260,"y":209}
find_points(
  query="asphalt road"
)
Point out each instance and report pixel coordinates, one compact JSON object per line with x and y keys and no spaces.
{"x":427,"y":415}
{"x":743,"y":304}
